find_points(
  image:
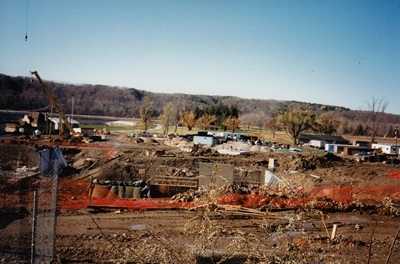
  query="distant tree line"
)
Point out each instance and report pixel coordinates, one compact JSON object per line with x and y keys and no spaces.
{"x":203,"y":111}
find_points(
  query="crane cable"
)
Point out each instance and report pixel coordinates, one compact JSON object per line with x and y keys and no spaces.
{"x":26,"y":21}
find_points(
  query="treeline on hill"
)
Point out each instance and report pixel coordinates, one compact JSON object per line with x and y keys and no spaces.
{"x":21,"y":93}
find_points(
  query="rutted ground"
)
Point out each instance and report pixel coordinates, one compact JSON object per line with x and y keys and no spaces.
{"x":364,"y":231}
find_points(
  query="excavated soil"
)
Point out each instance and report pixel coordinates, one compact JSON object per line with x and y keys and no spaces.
{"x":290,"y":224}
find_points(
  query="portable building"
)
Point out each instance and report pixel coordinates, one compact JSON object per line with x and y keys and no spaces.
{"x":386,"y":148}
{"x":317,"y":143}
{"x":337,"y":148}
{"x":205,"y":140}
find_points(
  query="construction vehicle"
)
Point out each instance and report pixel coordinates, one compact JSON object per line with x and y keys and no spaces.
{"x":63,"y":117}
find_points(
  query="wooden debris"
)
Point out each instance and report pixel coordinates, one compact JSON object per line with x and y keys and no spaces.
{"x":326,"y":229}
{"x":333,"y":234}
{"x":175,"y":181}
{"x":241,"y":210}
{"x":315,"y":176}
{"x":202,"y":206}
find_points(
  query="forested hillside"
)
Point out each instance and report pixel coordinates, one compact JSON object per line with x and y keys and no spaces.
{"x":21,"y":93}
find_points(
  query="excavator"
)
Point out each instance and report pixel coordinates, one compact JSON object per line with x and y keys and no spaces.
{"x":72,"y":134}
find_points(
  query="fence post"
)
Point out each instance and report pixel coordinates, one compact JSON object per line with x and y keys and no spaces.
{"x":56,"y":167}
{"x":33,"y":227}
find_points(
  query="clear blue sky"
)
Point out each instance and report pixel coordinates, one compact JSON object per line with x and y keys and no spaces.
{"x":338,"y":52}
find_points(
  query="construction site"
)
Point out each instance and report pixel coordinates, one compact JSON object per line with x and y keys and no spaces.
{"x":226,"y":132}
{"x":211,"y":197}
{"x":165,"y":199}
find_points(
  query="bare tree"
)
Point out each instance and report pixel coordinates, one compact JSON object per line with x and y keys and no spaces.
{"x":178,"y":106}
{"x":260,"y":119}
{"x":376,"y":109}
{"x":145,"y":108}
{"x":167,"y":116}
{"x":247,"y":120}
{"x":345,"y":127}
{"x":272,"y":124}
{"x":257,"y":119}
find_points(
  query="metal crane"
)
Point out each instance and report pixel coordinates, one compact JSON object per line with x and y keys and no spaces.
{"x":54,"y":103}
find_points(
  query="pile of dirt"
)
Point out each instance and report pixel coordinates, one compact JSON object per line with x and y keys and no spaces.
{"x":304,"y":162}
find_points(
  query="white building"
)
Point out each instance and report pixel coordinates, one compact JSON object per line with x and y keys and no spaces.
{"x":387,"y":148}
{"x":56,"y":121}
{"x":317,"y":143}
{"x":336,"y":148}
{"x":205,"y":140}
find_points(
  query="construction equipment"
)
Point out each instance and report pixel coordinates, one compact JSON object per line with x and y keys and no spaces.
{"x":54,"y":103}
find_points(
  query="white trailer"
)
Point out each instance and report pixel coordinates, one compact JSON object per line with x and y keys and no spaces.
{"x":205,"y":140}
{"x":386,"y":148}
{"x":317,"y":144}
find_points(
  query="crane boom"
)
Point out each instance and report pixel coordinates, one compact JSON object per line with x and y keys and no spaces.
{"x":55,"y":104}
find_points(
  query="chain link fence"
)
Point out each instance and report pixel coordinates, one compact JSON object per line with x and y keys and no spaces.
{"x":28,"y":206}
{"x":28,"y":220}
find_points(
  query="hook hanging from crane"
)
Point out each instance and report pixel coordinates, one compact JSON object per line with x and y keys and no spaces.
{"x":26,"y":21}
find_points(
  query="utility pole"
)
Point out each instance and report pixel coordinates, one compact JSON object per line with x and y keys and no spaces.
{"x":396,"y":135}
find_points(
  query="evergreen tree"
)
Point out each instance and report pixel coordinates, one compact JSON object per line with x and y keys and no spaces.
{"x":359,"y":131}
